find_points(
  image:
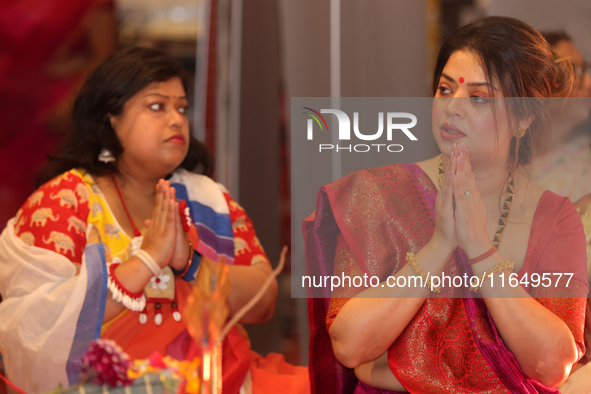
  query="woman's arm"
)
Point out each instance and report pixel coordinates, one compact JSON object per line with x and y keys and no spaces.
{"x":250,"y":270}
{"x":537,"y":331}
{"x":371,"y":321}
{"x":541,"y":341}
{"x":134,"y":276}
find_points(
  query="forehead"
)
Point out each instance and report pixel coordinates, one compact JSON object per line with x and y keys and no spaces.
{"x":464,"y":64}
{"x":172,"y":86}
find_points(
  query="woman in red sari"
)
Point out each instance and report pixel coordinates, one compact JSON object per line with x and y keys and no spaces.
{"x":448,"y":215}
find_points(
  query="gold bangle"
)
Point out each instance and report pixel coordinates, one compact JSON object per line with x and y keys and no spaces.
{"x":505,"y":265}
{"x":412,"y":262}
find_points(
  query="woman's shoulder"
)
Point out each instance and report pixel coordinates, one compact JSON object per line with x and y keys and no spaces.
{"x":557,"y":211}
{"x":199,"y":180}
{"x":200,"y":188}
{"x":55,"y":215}
{"x":363,"y":184}
{"x":389,"y":173}
{"x":68,"y":189}
{"x":66,"y":179}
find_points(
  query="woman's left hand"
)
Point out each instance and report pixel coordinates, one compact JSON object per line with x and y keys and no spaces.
{"x":470,"y":213}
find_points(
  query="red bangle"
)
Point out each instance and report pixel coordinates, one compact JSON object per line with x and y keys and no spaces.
{"x":483,"y":256}
{"x":119,"y":285}
{"x":189,"y":262}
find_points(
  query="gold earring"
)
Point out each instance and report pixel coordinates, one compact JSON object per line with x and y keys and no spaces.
{"x":519,"y":132}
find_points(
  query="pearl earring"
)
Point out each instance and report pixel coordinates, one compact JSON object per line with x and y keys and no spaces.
{"x":106,"y":156}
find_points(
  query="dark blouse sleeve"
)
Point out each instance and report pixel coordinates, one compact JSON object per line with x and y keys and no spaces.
{"x":54,"y":217}
{"x":247,"y":247}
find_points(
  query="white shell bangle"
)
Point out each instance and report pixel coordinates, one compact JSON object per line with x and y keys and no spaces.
{"x":148,"y":262}
{"x":134,"y":304}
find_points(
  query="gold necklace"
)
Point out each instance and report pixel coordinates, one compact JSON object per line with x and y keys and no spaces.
{"x":506,"y":205}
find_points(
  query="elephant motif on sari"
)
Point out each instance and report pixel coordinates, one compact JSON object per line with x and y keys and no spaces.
{"x":96,"y":209}
{"x":40,"y":216}
{"x":240,"y":246}
{"x":67,"y":198}
{"x":82,"y":192}
{"x":78,"y":225}
{"x":240,"y":225}
{"x":36,"y":198}
{"x":28,"y":238}
{"x":112,"y":230}
{"x":61,"y":242}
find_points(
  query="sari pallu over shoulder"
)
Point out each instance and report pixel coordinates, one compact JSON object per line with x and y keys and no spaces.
{"x":367,"y":193}
{"x":451,"y":345}
{"x":51,"y":312}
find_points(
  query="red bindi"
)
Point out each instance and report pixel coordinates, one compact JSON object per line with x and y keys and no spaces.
{"x":461,"y":79}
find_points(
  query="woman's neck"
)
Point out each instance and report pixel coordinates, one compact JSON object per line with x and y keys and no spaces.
{"x":136,"y":186}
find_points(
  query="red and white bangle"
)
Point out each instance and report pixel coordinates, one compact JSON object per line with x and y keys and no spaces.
{"x":133,"y":301}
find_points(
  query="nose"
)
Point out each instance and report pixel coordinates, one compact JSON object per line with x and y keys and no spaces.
{"x":176,"y":119}
{"x":456,"y":107}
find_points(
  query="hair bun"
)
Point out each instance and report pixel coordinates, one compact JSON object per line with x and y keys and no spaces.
{"x":565,"y":80}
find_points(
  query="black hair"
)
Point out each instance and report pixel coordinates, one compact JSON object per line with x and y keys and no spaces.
{"x":524,"y":64}
{"x":103,"y":95}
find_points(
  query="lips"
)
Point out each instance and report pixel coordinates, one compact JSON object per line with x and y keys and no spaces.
{"x":176,"y":139}
{"x":451,"y":132}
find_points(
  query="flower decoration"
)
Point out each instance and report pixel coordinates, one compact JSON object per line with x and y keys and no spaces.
{"x":160,"y":281}
{"x":105,"y":363}
{"x":169,"y":370}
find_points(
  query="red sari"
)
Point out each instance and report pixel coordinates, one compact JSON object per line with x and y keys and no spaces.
{"x":366,"y":222}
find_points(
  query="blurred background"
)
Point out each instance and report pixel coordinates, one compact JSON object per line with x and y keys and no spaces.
{"x":248,"y":59}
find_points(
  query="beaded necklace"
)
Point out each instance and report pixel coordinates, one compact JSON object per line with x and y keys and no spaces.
{"x":136,"y":232}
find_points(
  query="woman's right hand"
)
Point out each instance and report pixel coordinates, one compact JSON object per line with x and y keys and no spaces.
{"x":445,"y":226}
{"x":160,"y":236}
